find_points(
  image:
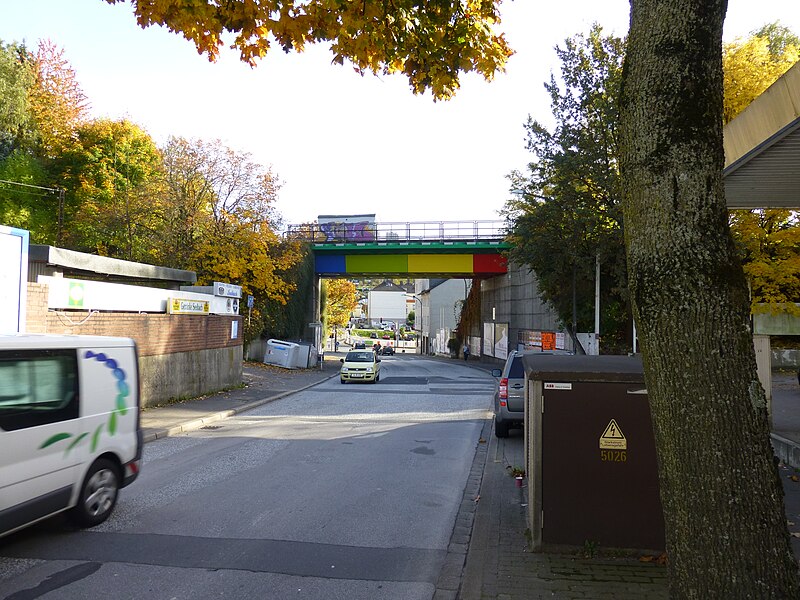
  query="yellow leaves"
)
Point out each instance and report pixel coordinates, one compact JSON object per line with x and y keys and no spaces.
{"x":661,"y":559}
{"x":769,"y":244}
{"x":432,"y":44}
{"x":340,"y":301}
{"x":749,"y":69}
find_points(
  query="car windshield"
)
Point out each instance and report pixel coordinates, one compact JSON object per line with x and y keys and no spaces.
{"x":360,"y":357}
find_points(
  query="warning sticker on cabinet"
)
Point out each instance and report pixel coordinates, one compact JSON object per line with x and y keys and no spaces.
{"x":613,"y":438}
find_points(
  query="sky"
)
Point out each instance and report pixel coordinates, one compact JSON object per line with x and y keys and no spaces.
{"x":339,"y":142}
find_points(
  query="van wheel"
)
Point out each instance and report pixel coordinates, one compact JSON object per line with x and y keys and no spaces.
{"x":500,"y":429}
{"x":98,"y":494}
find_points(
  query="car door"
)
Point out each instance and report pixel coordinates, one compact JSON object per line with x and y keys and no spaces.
{"x":516,"y":386}
{"x":39,"y":408}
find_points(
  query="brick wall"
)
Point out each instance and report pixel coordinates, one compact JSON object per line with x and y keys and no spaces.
{"x":179,"y":355}
{"x":155,"y":334}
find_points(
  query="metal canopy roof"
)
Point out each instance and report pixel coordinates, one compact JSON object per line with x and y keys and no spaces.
{"x":762,"y":149}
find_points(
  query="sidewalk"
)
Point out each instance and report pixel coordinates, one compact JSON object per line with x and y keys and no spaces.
{"x":488,"y":557}
{"x":498,"y":565}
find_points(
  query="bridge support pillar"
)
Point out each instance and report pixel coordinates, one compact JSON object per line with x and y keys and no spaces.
{"x":317,"y":307}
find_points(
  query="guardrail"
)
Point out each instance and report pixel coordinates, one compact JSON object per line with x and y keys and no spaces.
{"x":365,"y":231}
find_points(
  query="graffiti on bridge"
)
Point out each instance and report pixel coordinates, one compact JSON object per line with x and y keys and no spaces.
{"x":359,"y":231}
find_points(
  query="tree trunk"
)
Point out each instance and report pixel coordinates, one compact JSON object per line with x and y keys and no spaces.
{"x":722,"y":496}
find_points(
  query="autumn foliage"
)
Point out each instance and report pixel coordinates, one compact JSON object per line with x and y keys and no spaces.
{"x":105,"y":187}
{"x":768,"y":240}
{"x":430,"y":43}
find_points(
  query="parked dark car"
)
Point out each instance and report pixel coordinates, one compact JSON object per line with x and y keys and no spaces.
{"x":359,"y":346}
{"x":509,"y":398}
{"x":388,"y":351}
{"x":373,"y":335}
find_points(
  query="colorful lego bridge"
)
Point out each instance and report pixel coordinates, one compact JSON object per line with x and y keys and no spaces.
{"x":355,"y":245}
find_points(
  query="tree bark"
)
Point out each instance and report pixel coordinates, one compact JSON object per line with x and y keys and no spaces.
{"x":723,"y":501}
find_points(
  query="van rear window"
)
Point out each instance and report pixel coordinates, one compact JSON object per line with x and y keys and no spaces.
{"x":37,"y":387}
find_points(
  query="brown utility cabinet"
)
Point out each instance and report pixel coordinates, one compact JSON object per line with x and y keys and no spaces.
{"x":590,"y":454}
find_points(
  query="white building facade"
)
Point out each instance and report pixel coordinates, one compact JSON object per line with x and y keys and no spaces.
{"x":389,"y":302}
{"x":438,"y":308}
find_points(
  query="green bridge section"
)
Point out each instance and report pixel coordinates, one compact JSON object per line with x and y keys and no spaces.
{"x":426,"y":249}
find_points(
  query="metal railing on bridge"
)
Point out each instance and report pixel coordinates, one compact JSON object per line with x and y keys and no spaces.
{"x":422,"y":231}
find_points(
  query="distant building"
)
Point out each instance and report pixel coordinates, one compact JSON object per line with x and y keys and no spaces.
{"x":438,"y":304}
{"x":389,"y":302}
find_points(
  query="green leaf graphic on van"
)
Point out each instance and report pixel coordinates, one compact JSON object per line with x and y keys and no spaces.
{"x":55,"y":439}
{"x":76,"y":441}
{"x":120,"y":407}
{"x":96,"y":438}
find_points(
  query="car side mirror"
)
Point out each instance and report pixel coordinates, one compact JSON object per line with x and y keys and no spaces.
{"x":496,"y":372}
{"x":341,"y":360}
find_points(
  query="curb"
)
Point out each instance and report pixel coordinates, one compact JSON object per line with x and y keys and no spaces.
{"x":157,"y":434}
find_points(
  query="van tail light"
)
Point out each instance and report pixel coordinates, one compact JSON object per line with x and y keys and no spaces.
{"x":503,"y":391}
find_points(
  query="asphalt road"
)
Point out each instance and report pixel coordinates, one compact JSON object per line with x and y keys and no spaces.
{"x":341,"y":491}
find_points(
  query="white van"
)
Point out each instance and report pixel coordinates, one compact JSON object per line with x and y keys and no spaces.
{"x":69,"y":427}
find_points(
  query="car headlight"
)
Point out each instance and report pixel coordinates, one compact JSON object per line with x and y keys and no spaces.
{"x":344,"y":369}
{"x":369,"y":369}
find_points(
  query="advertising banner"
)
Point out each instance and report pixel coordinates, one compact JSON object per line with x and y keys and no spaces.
{"x":501,"y":340}
{"x":488,"y":339}
{"x":561,"y":340}
{"x":548,"y":340}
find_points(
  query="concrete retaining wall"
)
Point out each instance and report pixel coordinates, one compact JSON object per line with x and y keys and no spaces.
{"x":188,"y":374}
{"x":514,"y":298}
{"x":785,"y":358}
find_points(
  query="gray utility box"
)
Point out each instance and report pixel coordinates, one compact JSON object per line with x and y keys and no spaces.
{"x":590,"y":454}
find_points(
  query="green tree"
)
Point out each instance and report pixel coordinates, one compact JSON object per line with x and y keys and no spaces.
{"x":108,"y":172}
{"x":289,"y":319}
{"x":431,"y":44}
{"x":29,"y":208}
{"x":16,"y":79}
{"x":216,"y":216}
{"x":20,"y":206}
{"x":184,"y":211}
{"x":53,"y":107}
{"x":723,"y":509}
{"x":568,"y":210}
